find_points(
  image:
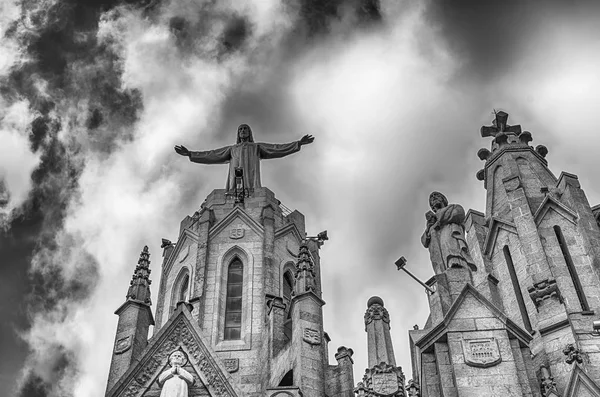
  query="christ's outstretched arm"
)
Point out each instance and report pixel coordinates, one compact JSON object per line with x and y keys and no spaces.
{"x":215,"y":156}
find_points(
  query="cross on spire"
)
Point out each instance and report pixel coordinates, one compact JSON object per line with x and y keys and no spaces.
{"x":499,"y":125}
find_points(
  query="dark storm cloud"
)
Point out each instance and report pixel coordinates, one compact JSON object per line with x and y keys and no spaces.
{"x":491,"y":37}
{"x":64,"y":67}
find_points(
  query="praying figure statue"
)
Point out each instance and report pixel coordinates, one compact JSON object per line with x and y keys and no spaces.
{"x":175,"y":380}
{"x":244,"y":155}
{"x":445,"y":235}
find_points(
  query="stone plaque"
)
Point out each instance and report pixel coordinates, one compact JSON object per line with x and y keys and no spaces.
{"x":311,"y":336}
{"x":232,"y":364}
{"x":385,"y":383}
{"x":123,"y":344}
{"x":236,"y":232}
{"x":482,"y":352}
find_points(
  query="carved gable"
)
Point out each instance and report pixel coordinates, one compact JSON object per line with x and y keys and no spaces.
{"x":581,"y":385}
{"x":550,"y":205}
{"x":210,"y":376}
{"x":236,"y":221}
{"x":471,"y":305}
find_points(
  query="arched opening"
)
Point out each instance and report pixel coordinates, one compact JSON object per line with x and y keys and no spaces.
{"x":288,"y":287}
{"x":233,"y":302}
{"x":572,"y":271}
{"x":183,"y":289}
{"x":288,"y":379}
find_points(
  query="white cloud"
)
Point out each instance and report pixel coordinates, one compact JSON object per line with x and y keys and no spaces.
{"x":16,"y":159}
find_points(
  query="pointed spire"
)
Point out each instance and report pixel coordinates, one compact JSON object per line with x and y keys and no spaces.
{"x":139,"y":287}
{"x":305,"y":273}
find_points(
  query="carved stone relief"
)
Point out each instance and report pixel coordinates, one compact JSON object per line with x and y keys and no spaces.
{"x":311,"y":336}
{"x":200,"y":360}
{"x":482,"y":352}
{"x":231,"y":364}
{"x":236,"y":232}
{"x":123,"y":344}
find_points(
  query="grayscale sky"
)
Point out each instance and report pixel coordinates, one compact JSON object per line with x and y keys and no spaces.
{"x":95,"y":94}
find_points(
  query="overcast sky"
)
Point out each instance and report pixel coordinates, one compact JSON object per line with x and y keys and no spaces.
{"x":94,"y":95}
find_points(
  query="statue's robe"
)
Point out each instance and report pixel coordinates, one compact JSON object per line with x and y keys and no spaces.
{"x":445,"y":240}
{"x":245,"y":155}
{"x":175,"y":385}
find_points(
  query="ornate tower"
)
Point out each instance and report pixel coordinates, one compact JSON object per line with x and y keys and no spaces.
{"x":525,"y":320}
{"x":135,"y":319}
{"x":382,"y":377}
{"x":240,"y":295}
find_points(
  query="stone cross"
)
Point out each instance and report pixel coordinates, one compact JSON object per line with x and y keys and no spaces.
{"x":500,"y":125}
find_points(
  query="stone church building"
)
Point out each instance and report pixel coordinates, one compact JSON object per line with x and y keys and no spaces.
{"x":238,"y":311}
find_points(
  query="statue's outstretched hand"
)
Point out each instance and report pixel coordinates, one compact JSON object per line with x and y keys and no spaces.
{"x":182,"y":150}
{"x":306,"y":139}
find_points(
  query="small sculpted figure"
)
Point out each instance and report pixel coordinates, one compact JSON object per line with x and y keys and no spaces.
{"x":245,"y":154}
{"x":175,"y":380}
{"x":445,"y":235}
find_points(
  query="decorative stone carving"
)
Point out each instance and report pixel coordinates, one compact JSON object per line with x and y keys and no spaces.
{"x":123,"y":344}
{"x":381,"y":380}
{"x":244,"y":155}
{"x":231,"y":364}
{"x":311,"y":336}
{"x":376,"y":311}
{"x":180,"y":336}
{"x":413,"y":389}
{"x":481,"y":352}
{"x":547,"y":384}
{"x":444,"y":235}
{"x":175,"y":380}
{"x":237,"y":232}
{"x":573,"y":354}
{"x":543,"y":290}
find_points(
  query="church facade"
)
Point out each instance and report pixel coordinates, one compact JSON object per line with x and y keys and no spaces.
{"x":514,"y":302}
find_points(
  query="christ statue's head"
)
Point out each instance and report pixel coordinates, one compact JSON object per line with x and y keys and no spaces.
{"x":177,"y":358}
{"x":244,"y":134}
{"x":437,"y":201}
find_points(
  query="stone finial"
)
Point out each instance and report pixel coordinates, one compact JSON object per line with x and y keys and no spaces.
{"x":547,"y":384}
{"x":413,"y":389}
{"x":342,"y":352}
{"x":139,"y":287}
{"x":499,"y":125}
{"x":305,"y":271}
{"x":542,"y":150}
{"x":376,"y":311}
{"x":573,"y":354}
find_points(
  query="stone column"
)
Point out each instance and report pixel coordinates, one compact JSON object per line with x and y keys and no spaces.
{"x":205,"y":221}
{"x":377,"y":326}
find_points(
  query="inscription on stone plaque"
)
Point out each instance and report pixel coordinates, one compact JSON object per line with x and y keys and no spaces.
{"x":231,"y":364}
{"x":385,"y":383}
{"x":483,"y":352}
{"x":312,"y":336}
{"x":123,"y":345}
{"x":236,"y":232}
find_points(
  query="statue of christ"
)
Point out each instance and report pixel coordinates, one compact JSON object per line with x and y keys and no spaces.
{"x":245,"y":154}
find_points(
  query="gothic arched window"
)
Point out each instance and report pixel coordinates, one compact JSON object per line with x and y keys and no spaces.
{"x":288,"y":287}
{"x":183,"y":289}
{"x":233,"y":302}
